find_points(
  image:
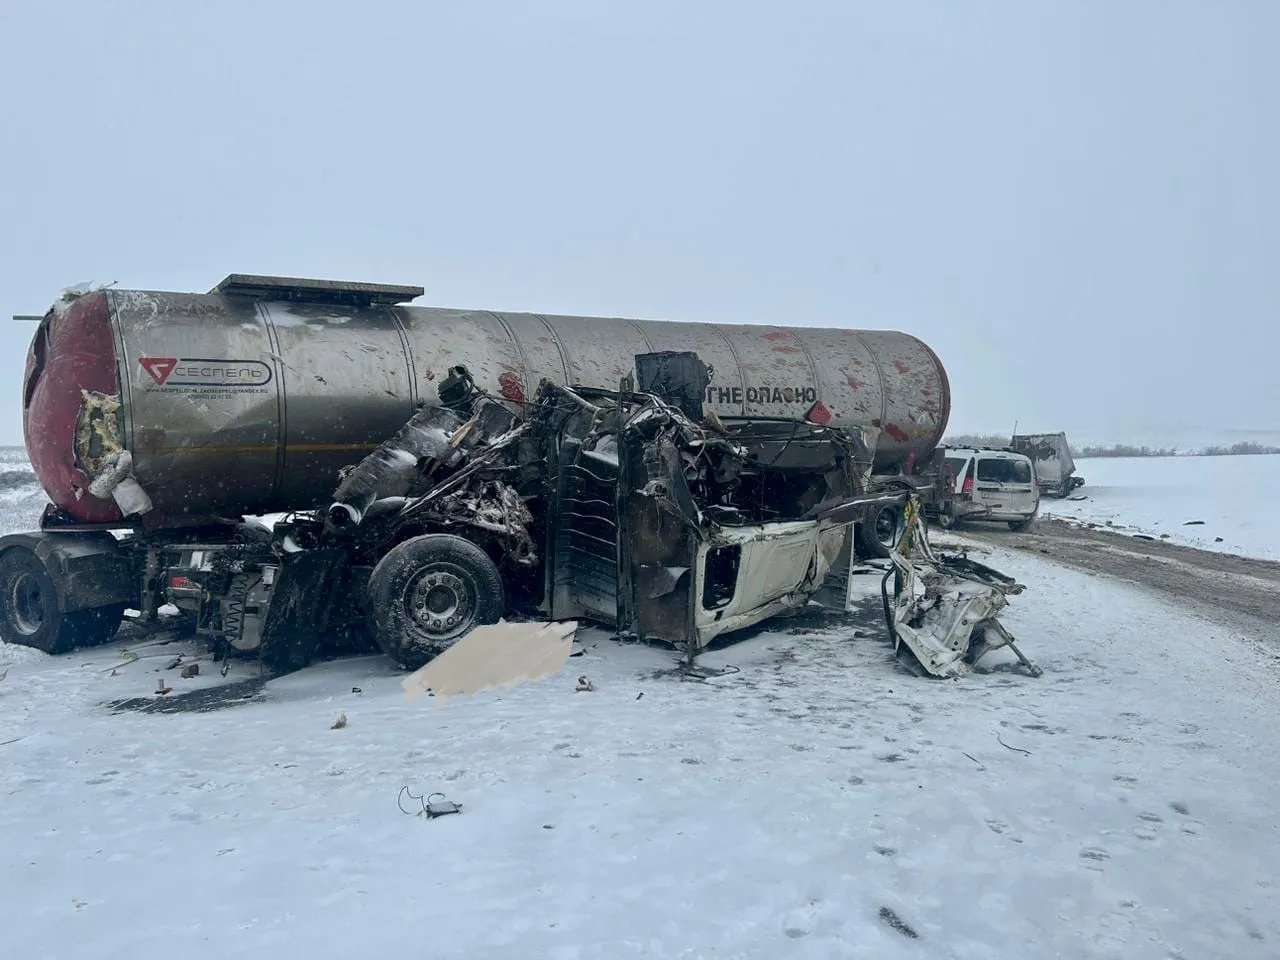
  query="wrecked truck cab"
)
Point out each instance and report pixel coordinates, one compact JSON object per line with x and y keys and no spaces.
{"x":1054,"y":466}
{"x":589,"y":504}
{"x":611,"y":506}
{"x":679,"y":532}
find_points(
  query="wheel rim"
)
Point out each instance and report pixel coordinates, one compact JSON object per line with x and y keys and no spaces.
{"x":442,"y":602}
{"x":26,"y":604}
{"x":887,"y":527}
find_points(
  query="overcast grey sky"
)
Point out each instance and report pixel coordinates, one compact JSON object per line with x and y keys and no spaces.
{"x":1076,"y":204}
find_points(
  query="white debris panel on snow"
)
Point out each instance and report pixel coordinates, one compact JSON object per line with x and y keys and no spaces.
{"x":818,"y":803}
{"x":496,"y":655}
{"x":945,"y":609}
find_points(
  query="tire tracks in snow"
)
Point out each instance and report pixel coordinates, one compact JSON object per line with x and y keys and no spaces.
{"x":1242,"y":591}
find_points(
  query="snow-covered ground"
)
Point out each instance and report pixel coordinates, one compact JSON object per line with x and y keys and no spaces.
{"x":820,"y":803}
{"x":21,"y":499}
{"x":1237,"y":500}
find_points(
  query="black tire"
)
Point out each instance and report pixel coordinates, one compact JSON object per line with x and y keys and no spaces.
{"x":879,"y":532}
{"x":946,"y":519}
{"x":1021,"y":526}
{"x":429,"y":592}
{"x":29,"y":614}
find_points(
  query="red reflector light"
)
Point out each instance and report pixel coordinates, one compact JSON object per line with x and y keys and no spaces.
{"x":968,"y":485}
{"x":819,"y":414}
{"x":181,"y":583}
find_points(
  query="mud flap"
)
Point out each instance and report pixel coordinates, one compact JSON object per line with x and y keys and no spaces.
{"x":306,"y":589}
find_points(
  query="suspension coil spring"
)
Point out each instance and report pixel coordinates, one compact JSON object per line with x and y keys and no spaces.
{"x":233,"y":607}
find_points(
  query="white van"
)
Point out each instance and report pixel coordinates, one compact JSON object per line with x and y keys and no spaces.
{"x":992,"y":485}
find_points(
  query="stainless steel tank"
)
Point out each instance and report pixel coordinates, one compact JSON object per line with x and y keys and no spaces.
{"x":250,"y":398}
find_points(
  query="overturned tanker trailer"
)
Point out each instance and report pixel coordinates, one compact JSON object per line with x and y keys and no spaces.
{"x":157,"y":421}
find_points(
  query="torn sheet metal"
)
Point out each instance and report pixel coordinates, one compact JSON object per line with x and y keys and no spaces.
{"x":496,"y":655}
{"x":498,"y":508}
{"x":435,"y":441}
{"x":100,"y":453}
{"x":666,"y":528}
{"x":942,"y":608}
{"x":98,"y":435}
{"x":392,"y":469}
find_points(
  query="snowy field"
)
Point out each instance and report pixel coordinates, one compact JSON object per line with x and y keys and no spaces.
{"x":819,"y":803}
{"x":21,"y":499}
{"x":1236,"y":499}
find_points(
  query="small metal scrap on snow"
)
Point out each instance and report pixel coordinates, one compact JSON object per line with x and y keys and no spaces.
{"x":431,"y":806}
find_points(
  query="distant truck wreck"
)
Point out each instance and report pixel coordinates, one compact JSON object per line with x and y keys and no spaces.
{"x":632,"y":508}
{"x":1051,"y":455}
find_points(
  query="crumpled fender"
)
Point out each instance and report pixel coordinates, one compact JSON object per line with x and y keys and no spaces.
{"x":88,"y":569}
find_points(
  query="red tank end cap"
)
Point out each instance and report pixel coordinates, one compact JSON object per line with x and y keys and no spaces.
{"x":73,"y":351}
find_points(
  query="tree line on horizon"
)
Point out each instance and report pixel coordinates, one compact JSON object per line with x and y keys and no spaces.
{"x":1243,"y":448}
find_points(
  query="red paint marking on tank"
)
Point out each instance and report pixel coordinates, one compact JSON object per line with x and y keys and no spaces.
{"x":512,"y":387}
{"x":853,"y":382}
{"x":788,"y":350}
{"x":778,"y":335}
{"x":895,"y":431}
{"x":76,"y":353}
{"x":902,"y":366}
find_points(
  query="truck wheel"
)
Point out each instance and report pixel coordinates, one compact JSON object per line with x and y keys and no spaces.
{"x":946,"y":519}
{"x":1021,"y":526}
{"x":429,"y":592}
{"x":879,"y":532}
{"x":29,"y":614}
